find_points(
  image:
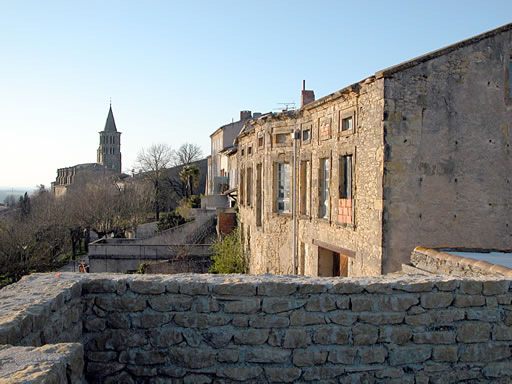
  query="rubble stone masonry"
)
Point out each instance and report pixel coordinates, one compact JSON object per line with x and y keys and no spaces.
{"x":233,"y":328}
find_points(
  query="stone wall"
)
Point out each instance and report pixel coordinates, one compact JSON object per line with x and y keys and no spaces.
{"x":271,"y":242}
{"x":206,"y":328}
{"x":433,"y":261}
{"x":448,"y":134}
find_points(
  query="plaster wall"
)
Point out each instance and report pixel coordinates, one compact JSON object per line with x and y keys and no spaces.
{"x":447,"y":123}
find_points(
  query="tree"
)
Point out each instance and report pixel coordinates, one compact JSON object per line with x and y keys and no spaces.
{"x":10,"y":201}
{"x":190,"y":174}
{"x":187,"y":154}
{"x":153,"y":162}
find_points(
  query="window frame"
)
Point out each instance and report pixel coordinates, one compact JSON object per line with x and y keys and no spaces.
{"x":324,"y":181}
{"x":284,"y":177}
{"x":343,"y":115}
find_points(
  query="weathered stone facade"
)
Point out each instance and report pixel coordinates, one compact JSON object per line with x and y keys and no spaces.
{"x":427,"y":143}
{"x":258,"y":329}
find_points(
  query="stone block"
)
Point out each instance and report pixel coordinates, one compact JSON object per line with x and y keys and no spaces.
{"x":142,"y":357}
{"x":251,"y":336}
{"x":342,"y":302}
{"x":307,"y":318}
{"x":306,"y":288}
{"x":396,"y":335}
{"x":491,"y":302}
{"x":296,"y":338}
{"x":346,"y":287}
{"x":331,"y":334}
{"x":502,"y":333}
{"x":415,"y":286}
{"x":434,"y":337}
{"x":102,"y":356}
{"x":121,"y":339}
{"x":397,"y":302}
{"x":197,"y":379}
{"x":229,"y":355}
{"x":235,"y":289}
{"x":485,"y":352}
{"x":365,"y":303}
{"x":118,"y":320}
{"x":217,"y":339}
{"x":169,"y":302}
{"x":501,"y":369}
{"x":193,"y":288}
{"x":279,"y":304}
{"x":470,"y":287}
{"x":436,"y":300}
{"x":423,"y":320}
{"x":447,"y":285}
{"x":321,"y":303}
{"x":409,"y":355}
{"x":242,"y":373}
{"x":95,"y":324}
{"x":483,"y":314}
{"x":463,"y":301}
{"x":309,"y":357}
{"x":204,"y":304}
{"x":322,"y":374}
{"x":142,"y":370}
{"x":164,"y":337}
{"x":505,"y":299}
{"x":275,"y":288}
{"x":99,"y":285}
{"x":98,"y":369}
{"x":371,"y":355}
{"x":381,"y":318}
{"x":192,"y":357}
{"x":267,"y":355}
{"x":282,"y":375}
{"x":445,"y":353}
{"x":343,"y":355}
{"x":269,"y":321}
{"x":146,"y":286}
{"x":473,"y":332}
{"x":492,"y":288}
{"x":364,"y":334}
{"x":150,"y":319}
{"x":240,"y":321}
{"x":247,"y":305}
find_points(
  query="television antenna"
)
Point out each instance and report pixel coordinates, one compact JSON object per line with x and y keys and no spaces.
{"x":287,"y":107}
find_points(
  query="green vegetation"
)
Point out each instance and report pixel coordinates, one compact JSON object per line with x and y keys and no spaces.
{"x":170,"y":220}
{"x":229,"y":256}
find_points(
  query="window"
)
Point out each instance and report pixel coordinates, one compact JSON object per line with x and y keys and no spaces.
{"x":243,"y":152}
{"x":346,"y":124}
{"x":249,"y":150}
{"x":302,"y":259}
{"x":281,"y":138}
{"x":259,"y":200}
{"x":283,"y":187}
{"x":249,"y":187}
{"x":242,"y":187}
{"x":261,"y":141}
{"x":305,"y":187}
{"x":324,"y":189}
{"x":306,"y":135}
{"x":345,"y":190}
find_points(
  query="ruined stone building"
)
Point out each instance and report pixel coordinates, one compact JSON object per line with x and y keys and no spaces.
{"x":108,"y":162}
{"x":418,"y":154}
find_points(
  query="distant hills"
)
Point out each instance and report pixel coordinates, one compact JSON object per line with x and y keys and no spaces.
{"x":17,"y":192}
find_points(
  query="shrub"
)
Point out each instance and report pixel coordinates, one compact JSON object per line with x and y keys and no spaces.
{"x":229,"y":256}
{"x":170,"y":220}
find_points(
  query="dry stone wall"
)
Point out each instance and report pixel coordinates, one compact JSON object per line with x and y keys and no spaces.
{"x":226,"y":329}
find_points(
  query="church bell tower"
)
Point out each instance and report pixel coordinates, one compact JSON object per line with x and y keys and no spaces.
{"x":109,"y":151}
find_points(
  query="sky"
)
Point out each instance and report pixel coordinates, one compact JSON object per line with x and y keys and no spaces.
{"x":177,"y":70}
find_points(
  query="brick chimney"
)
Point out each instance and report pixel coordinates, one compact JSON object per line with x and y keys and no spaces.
{"x":245,"y":115}
{"x":307,"y":96}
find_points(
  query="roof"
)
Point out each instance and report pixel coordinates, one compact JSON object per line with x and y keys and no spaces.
{"x":110,"y":125}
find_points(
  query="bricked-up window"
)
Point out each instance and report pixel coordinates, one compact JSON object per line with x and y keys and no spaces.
{"x":283,"y":187}
{"x":345,"y":190}
{"x":346,"y":124}
{"x":249,"y":187}
{"x":323,"y":195}
{"x":305,"y":187}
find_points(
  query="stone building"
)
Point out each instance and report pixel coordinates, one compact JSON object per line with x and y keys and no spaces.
{"x":222,"y":171}
{"x":419,"y":153}
{"x":108,"y":162}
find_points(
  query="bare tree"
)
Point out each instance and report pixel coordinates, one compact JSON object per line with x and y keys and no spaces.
{"x":188,"y":153}
{"x":152,"y":162}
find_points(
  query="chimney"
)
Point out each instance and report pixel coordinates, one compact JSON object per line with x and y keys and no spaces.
{"x":307,"y":96}
{"x":245,"y":115}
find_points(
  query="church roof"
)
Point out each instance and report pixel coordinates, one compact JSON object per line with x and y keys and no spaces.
{"x":110,"y":125}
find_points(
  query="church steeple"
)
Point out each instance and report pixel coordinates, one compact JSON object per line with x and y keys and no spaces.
{"x":109,"y":151}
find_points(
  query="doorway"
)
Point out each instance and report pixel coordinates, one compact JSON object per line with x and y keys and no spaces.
{"x":332,"y":263}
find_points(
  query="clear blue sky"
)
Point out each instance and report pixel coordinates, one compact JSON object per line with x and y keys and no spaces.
{"x":177,"y":70}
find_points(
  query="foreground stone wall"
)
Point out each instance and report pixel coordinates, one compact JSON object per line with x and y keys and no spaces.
{"x":433,"y":261}
{"x":207,"y":328}
{"x":198,"y":328}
